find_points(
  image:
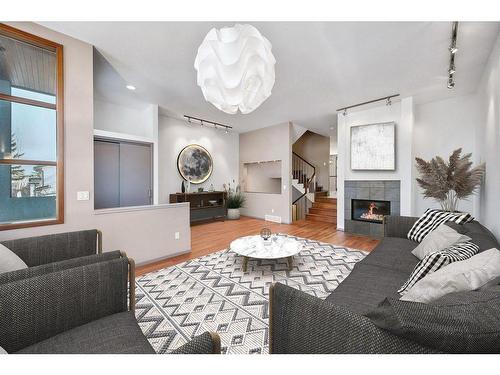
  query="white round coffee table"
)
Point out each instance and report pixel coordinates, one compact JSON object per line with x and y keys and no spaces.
{"x":273,"y":248}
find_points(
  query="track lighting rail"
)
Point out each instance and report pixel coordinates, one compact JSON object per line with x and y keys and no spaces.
{"x":203,"y":122}
{"x":386,"y":98}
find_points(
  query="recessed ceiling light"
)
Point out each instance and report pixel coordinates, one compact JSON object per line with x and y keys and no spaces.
{"x":130,"y":87}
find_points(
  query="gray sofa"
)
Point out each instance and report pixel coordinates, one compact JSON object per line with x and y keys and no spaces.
{"x":300,"y":323}
{"x":75,"y":303}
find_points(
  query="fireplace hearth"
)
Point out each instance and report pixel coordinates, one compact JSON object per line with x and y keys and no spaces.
{"x":370,"y":210}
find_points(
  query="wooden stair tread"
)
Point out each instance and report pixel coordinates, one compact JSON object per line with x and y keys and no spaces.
{"x":321,"y":218}
{"x":317,"y":204}
{"x":327,"y":199}
{"x":323,"y":211}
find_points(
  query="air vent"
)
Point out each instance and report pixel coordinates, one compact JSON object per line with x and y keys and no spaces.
{"x":274,"y":219}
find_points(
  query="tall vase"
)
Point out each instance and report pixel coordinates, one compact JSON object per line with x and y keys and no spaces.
{"x":183,"y":187}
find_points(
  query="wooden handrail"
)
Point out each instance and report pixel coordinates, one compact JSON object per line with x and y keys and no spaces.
{"x":305,"y":161}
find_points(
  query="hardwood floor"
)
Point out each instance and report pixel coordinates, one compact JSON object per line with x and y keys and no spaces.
{"x":212,"y":237}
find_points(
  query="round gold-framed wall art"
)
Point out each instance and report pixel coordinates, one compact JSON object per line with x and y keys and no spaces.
{"x":195,"y":163}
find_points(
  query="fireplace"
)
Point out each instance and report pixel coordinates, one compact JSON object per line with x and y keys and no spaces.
{"x":370,"y":210}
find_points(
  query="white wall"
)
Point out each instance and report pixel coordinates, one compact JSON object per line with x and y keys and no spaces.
{"x":174,"y":135}
{"x":271,"y":143}
{"x":123,"y":119}
{"x":402,"y":114}
{"x":440,"y":128}
{"x":333,"y":144}
{"x":487,"y":141}
{"x":122,"y":231}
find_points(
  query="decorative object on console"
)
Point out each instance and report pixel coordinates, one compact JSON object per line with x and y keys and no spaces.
{"x":373,"y":147}
{"x":449,"y":182}
{"x":183,"y":187}
{"x":194,"y":164}
{"x":235,"y":201}
{"x":235,"y":68}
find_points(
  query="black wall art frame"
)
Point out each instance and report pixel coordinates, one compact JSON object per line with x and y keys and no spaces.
{"x":194,"y":164}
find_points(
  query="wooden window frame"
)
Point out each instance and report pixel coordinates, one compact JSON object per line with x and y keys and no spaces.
{"x":23,"y":36}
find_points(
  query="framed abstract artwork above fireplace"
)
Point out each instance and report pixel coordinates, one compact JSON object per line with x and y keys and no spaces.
{"x":373,"y":147}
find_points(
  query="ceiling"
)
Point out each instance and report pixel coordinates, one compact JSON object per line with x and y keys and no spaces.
{"x":320,"y":66}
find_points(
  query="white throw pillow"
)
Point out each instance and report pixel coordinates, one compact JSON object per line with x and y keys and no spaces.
{"x":462,"y":276}
{"x":441,"y":238}
{"x":10,"y":261}
{"x":2,"y":351}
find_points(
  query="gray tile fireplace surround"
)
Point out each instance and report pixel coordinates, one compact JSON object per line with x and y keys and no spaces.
{"x":388,"y":190}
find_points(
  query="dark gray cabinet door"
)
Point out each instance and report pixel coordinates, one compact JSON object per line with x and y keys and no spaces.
{"x":135,"y":174}
{"x":106,"y":174}
{"x":122,"y":174}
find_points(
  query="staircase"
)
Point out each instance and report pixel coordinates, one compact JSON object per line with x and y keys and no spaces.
{"x":313,"y":203}
{"x":323,"y":210}
{"x":304,"y":182}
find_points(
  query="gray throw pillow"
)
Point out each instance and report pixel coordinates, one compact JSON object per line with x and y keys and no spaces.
{"x":442,"y":237}
{"x":462,"y":276}
{"x":10,"y":261}
{"x":467,"y":323}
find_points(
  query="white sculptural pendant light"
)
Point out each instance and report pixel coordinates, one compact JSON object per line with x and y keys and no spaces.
{"x":235,"y":68}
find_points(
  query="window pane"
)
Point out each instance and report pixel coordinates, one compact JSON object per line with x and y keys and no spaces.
{"x":27,"y":192}
{"x":26,"y":69}
{"x":27,"y":132}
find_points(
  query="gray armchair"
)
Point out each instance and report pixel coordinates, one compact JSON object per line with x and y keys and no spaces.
{"x":80,"y":305}
{"x":36,"y":251}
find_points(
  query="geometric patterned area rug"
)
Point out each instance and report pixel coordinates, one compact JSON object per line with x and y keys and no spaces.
{"x":212,"y":293}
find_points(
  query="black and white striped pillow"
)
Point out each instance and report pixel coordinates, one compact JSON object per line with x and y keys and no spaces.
{"x":431,"y":219}
{"x":434,"y":261}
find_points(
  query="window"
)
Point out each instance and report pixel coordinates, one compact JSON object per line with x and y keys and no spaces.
{"x":31,"y":130}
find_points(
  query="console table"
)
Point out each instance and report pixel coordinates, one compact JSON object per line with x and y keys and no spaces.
{"x":201,"y":211}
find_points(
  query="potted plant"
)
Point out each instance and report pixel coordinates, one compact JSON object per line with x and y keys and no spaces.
{"x":449,"y":182}
{"x":235,"y":201}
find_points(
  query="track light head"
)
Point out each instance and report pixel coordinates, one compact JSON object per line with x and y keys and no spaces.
{"x":388,"y":102}
{"x":451,"y":83}
{"x":226,"y":131}
{"x":453,"y":49}
{"x":345,"y":112}
{"x":451,"y":70}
